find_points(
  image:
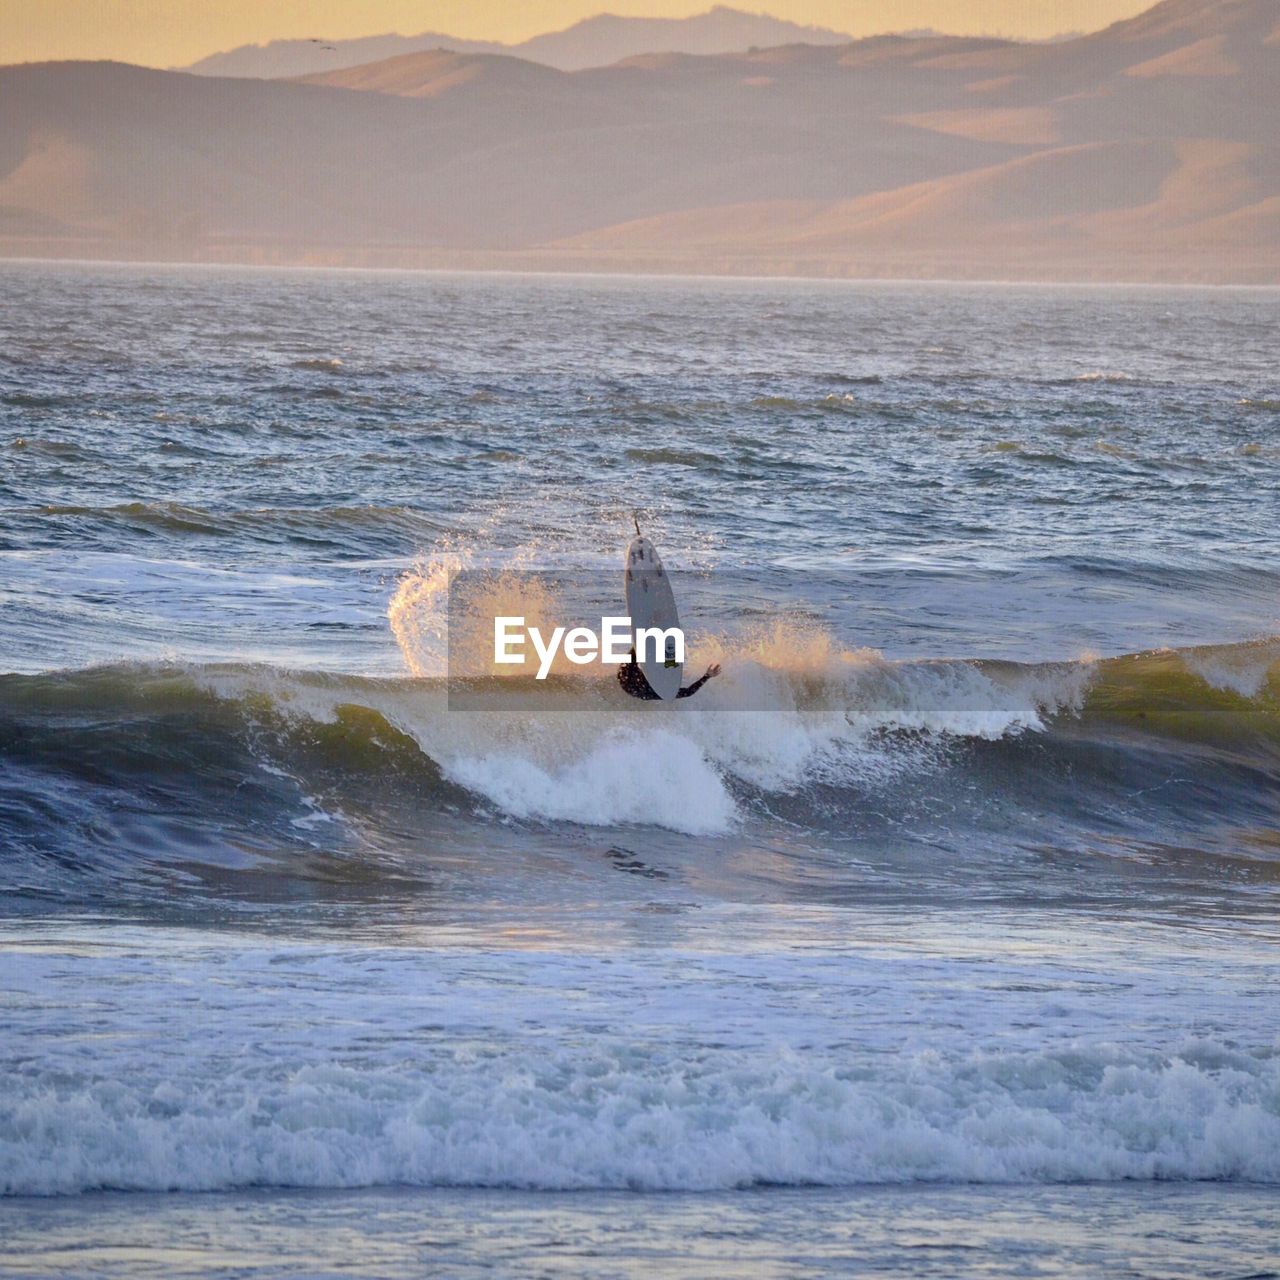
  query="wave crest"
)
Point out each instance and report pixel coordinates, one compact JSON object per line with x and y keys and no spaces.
{"x":625,"y":1117}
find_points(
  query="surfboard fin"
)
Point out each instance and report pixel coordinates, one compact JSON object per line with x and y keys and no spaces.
{"x":635,"y":520}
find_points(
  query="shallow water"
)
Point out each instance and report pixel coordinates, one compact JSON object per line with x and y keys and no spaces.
{"x":952,"y":953}
{"x":1070,"y":1231}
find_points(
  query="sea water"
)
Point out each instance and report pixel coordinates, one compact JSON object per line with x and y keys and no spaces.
{"x":936,"y":936}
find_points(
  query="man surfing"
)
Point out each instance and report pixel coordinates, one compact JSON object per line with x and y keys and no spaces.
{"x":633,"y":683}
{"x":652,"y":603}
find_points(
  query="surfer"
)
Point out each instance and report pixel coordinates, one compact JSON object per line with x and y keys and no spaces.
{"x":632,"y":680}
{"x":652,"y":604}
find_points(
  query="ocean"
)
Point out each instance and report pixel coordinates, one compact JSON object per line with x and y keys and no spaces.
{"x":937,"y":936}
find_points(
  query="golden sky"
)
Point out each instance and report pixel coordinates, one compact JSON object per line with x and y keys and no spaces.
{"x":175,"y":32}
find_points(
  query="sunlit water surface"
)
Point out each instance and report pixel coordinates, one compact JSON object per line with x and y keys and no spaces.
{"x":954,"y":955}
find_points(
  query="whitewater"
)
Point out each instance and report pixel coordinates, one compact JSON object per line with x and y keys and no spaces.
{"x":936,"y":936}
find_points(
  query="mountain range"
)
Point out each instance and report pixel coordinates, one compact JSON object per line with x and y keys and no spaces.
{"x":593,"y":42}
{"x":1147,"y":151}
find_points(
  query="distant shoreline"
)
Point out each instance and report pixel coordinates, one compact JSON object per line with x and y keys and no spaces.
{"x":905,"y":269}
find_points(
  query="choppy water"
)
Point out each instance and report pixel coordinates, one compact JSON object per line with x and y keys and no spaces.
{"x":981,"y":893}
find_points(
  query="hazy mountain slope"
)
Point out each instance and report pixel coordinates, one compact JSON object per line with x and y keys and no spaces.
{"x":278,"y":59}
{"x":1017,"y":193}
{"x":1147,"y":149}
{"x":592,"y":42}
{"x":605,"y":39}
{"x":455,"y":163}
{"x":1151,"y":134}
{"x":1132,"y":189}
{"x":121,"y":151}
{"x":441,"y":71}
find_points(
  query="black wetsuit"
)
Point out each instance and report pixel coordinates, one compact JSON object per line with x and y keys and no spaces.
{"x":632,"y":680}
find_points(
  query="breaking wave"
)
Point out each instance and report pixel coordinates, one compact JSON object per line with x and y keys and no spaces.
{"x":91,"y":756}
{"x":638,"y":1118}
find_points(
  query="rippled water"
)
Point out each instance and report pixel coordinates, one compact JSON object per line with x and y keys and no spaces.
{"x":981,"y":892}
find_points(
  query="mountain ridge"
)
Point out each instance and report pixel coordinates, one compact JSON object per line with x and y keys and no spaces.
{"x":596,"y":41}
{"x":1138,"y":152}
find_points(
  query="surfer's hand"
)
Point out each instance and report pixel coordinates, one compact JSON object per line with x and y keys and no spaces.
{"x":712,"y":670}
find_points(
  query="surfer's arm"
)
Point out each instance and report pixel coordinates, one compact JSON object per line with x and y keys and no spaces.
{"x":690,"y":690}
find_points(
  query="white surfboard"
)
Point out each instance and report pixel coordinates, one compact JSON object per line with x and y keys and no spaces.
{"x":652,"y":603}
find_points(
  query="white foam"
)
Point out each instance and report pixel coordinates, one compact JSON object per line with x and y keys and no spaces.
{"x":623,"y":1117}
{"x":162,"y":1059}
{"x":1243,"y":669}
{"x":655,"y":777}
